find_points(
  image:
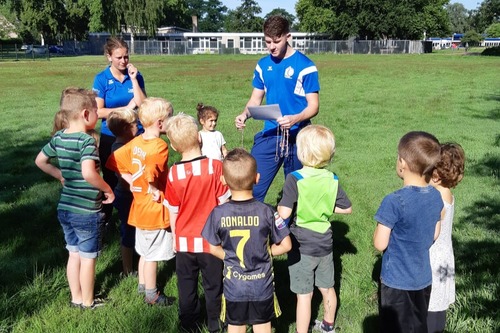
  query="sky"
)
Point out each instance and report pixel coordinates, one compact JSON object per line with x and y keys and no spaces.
{"x":289,"y":5}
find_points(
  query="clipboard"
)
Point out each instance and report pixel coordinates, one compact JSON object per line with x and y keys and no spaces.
{"x":265,"y":112}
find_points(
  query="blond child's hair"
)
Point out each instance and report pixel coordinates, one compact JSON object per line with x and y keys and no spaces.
{"x":153,"y":109}
{"x":315,"y":146}
{"x":239,"y":169}
{"x":182,"y":131}
{"x":421,"y":151}
{"x":121,"y":122}
{"x":450,"y":168}
{"x":73,"y":100}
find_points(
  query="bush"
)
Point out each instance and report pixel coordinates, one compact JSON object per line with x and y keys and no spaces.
{"x":491,"y":51}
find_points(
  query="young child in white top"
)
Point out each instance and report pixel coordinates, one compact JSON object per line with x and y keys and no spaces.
{"x":448,"y":173}
{"x":213,"y":143}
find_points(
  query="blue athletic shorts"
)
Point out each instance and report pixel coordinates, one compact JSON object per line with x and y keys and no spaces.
{"x":82,"y":232}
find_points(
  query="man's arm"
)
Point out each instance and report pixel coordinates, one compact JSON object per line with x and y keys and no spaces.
{"x":255,"y":100}
{"x":309,"y":112}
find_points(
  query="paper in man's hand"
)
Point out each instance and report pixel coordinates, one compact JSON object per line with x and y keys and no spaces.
{"x":265,"y":112}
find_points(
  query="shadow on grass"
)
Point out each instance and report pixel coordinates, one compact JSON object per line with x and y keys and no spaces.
{"x":287,"y":300}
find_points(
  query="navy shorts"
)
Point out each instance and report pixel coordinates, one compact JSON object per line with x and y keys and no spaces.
{"x":250,"y":312}
{"x":82,"y":232}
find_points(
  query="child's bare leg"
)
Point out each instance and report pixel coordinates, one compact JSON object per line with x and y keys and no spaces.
{"x":140,"y":270}
{"x":73,"y":275}
{"x":303,"y":313}
{"x":150,"y":268}
{"x":87,"y":280}
{"x":329,"y":304}
{"x":262,"y":328}
{"x":237,"y":328}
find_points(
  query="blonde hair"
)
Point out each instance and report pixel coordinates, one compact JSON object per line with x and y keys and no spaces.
{"x":182,"y":131}
{"x":239,"y":169}
{"x":153,"y":109}
{"x":120,"y":122}
{"x":74,"y":100}
{"x":315,"y":146}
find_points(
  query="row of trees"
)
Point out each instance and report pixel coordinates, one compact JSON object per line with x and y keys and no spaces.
{"x":366,"y":19}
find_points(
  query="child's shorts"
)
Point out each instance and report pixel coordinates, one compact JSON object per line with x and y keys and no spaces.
{"x":82,"y":232}
{"x":308,"y":272}
{"x":154,"y":245}
{"x":249,"y":312}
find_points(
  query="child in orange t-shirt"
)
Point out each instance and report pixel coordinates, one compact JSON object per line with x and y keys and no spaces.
{"x":142,"y":162}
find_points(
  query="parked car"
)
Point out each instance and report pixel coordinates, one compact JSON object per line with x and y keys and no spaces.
{"x":36,"y":49}
{"x":57,"y":49}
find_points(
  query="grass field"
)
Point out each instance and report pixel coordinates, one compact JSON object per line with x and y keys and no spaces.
{"x":368,"y":101}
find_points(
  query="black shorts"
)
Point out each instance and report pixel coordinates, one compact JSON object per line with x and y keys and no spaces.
{"x":250,"y":312}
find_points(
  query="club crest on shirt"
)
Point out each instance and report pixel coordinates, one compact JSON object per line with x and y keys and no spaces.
{"x":279,"y":222}
{"x":110,"y":81}
{"x":289,"y":72}
{"x":270,"y":68}
{"x":131,"y":90}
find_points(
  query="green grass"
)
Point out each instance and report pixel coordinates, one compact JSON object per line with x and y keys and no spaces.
{"x":369,"y":101}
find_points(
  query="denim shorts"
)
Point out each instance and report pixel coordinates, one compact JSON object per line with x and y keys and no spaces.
{"x":82,"y":232}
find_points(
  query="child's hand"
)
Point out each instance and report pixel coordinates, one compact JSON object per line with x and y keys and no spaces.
{"x":110,"y":197}
{"x":155,"y":195}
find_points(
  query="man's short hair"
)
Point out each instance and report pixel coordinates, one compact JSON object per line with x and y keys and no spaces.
{"x":239,"y":169}
{"x":315,"y":146}
{"x":276,"y":26}
{"x":421,"y":152}
{"x":182,"y":131}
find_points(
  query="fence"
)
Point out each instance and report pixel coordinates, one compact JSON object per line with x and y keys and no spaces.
{"x":157,"y":47}
{"x":308,"y":47}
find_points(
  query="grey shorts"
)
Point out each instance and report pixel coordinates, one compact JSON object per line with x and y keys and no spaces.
{"x":154,"y":245}
{"x":309,"y":271}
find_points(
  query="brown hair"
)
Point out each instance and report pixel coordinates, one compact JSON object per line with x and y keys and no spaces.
{"x":239,"y":169}
{"x":60,"y":122}
{"x":74,"y":100}
{"x":421,"y":151}
{"x":276,"y":26}
{"x":182,"y":131}
{"x":113,"y":43}
{"x":120,"y":122}
{"x":204,"y":111}
{"x":450,"y":169}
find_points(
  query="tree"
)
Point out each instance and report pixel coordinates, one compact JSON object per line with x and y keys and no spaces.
{"x":471,"y":38}
{"x":373,"y":19}
{"x":493,"y":30}
{"x":244,"y":18}
{"x":487,"y":13}
{"x":211,"y":14}
{"x":459,"y":17}
{"x":281,"y":12}
{"x":43,"y":19}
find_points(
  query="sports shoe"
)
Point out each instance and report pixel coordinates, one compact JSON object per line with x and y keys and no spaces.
{"x":319,"y":327}
{"x":75,"y":305}
{"x":160,"y":299}
{"x":97,"y":303}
